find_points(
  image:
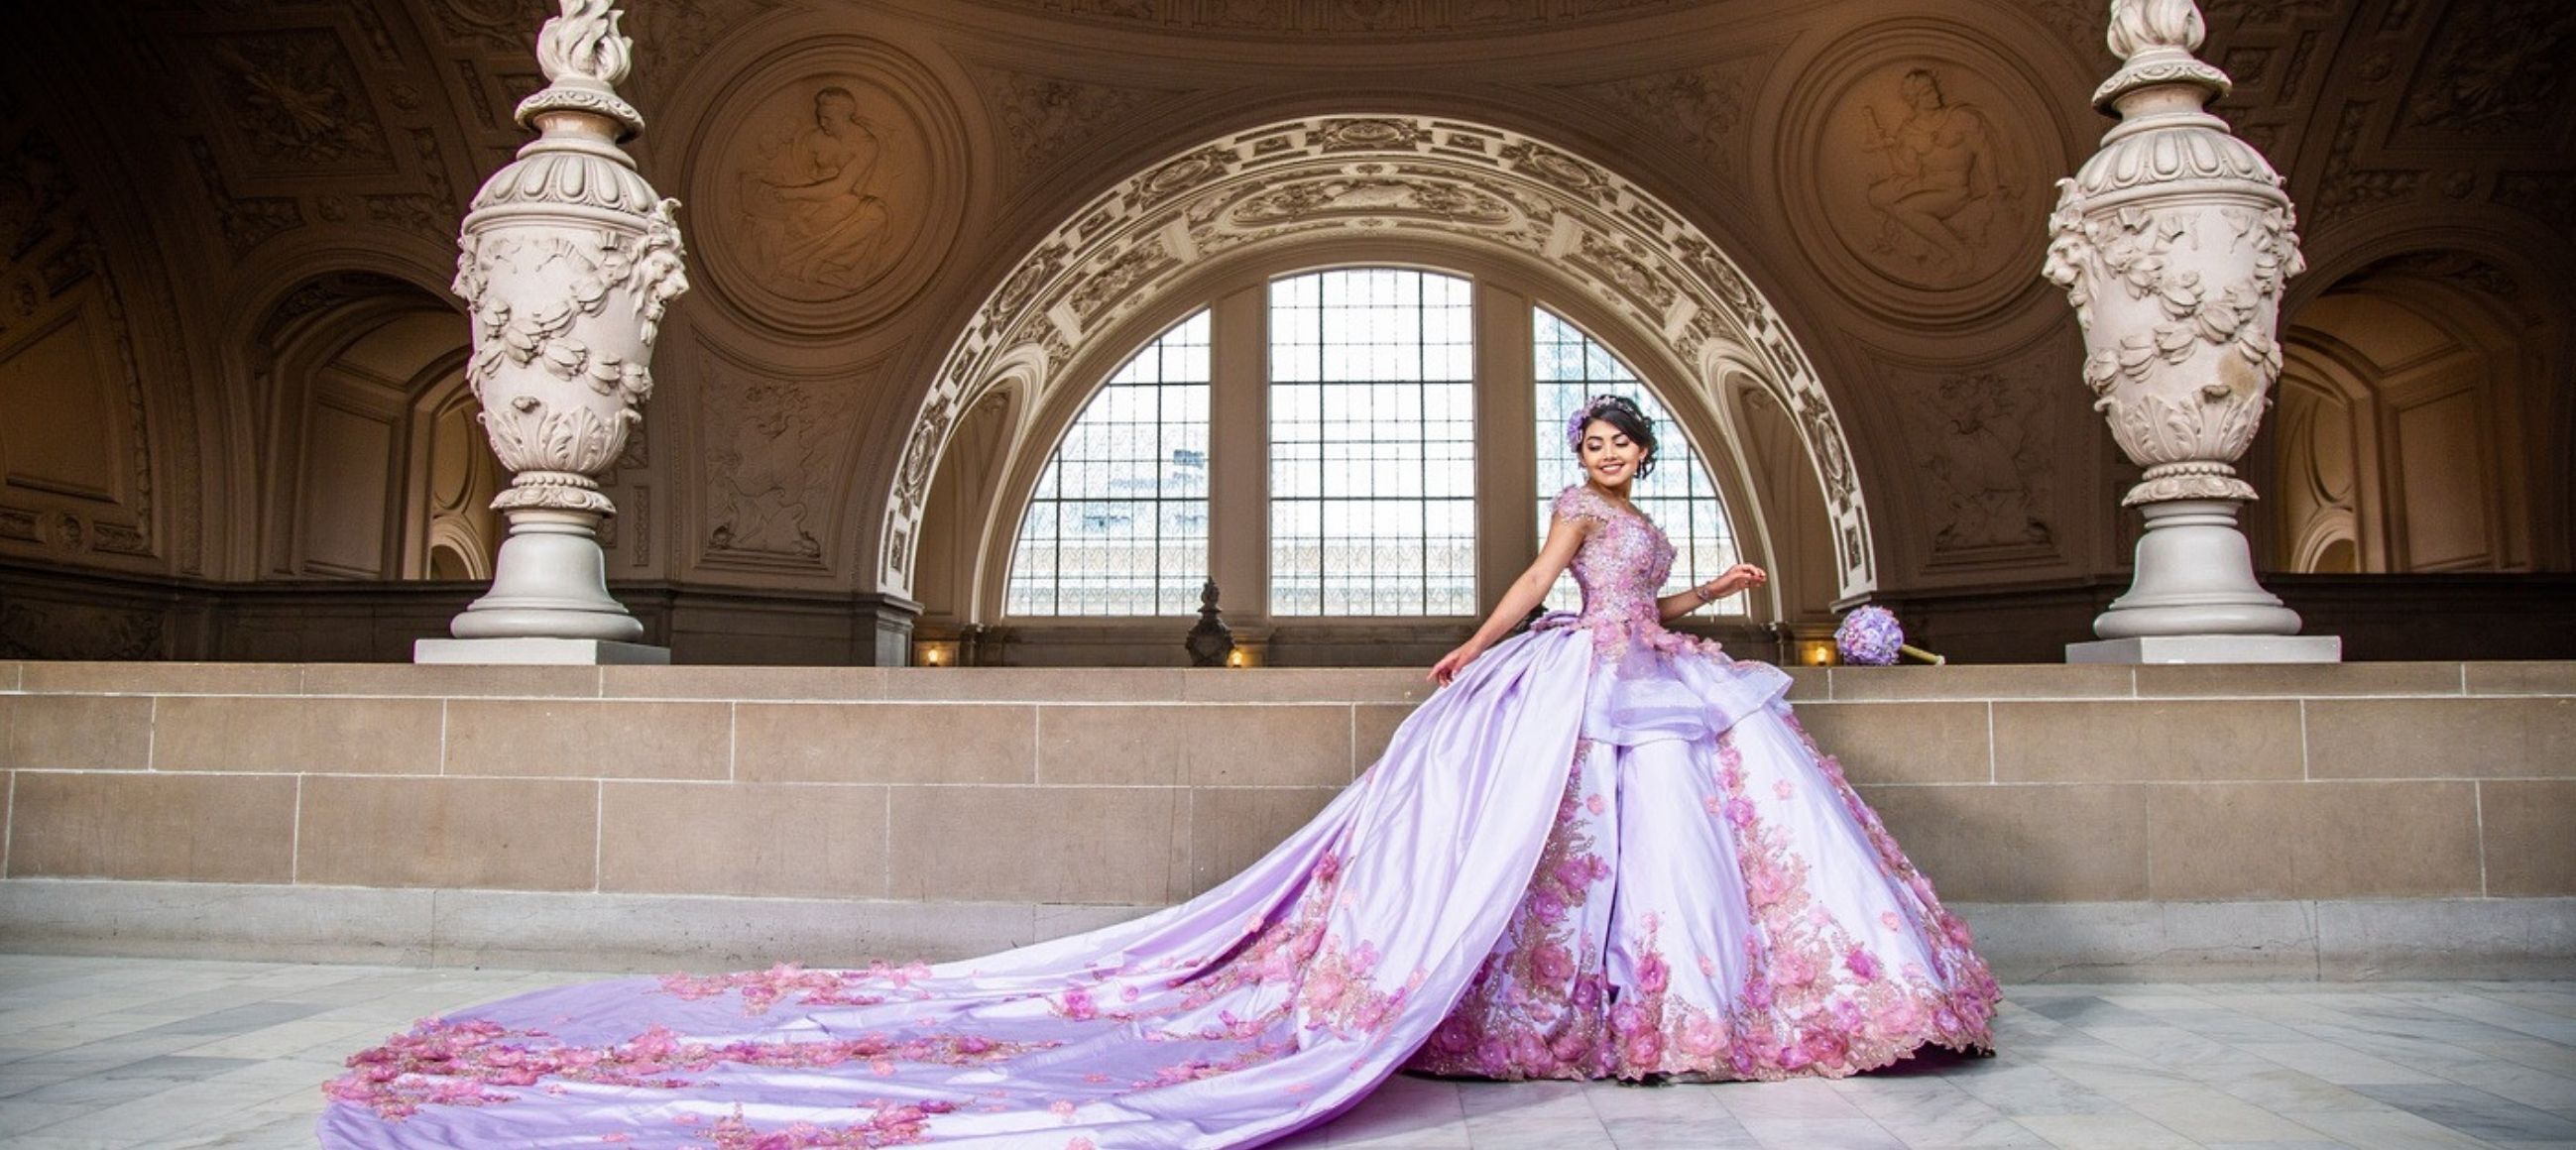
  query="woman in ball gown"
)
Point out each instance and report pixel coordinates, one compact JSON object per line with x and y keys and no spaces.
{"x":1603,"y":850}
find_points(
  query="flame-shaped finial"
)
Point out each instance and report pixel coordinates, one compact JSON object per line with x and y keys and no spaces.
{"x":583,"y":46}
{"x":2139,"y":26}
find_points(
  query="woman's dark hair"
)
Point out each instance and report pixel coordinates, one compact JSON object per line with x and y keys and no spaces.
{"x":1619,"y":412}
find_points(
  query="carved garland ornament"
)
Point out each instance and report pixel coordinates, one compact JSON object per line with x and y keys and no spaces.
{"x":567,"y":261}
{"x":2173,"y":242}
{"x":1390,"y":174}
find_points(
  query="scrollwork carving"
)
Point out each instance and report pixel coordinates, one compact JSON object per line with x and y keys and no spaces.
{"x":246,"y":222}
{"x":1048,"y":117}
{"x":69,"y":631}
{"x":297,"y":102}
{"x":1703,"y":106}
{"x":2495,"y":66}
{"x":1632,"y":255}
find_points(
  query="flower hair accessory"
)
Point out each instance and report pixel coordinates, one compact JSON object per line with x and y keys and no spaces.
{"x":1583,"y":415}
{"x":1871,"y":637}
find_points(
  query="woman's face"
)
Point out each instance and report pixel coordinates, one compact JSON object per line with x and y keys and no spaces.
{"x":1608,"y":456}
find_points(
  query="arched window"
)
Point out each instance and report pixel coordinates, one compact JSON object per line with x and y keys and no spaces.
{"x":1572,"y":367}
{"x":1118,"y":524}
{"x":1372,"y":444}
{"x":1351,"y":452}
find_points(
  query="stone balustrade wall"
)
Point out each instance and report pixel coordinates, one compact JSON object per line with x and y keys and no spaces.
{"x":945,"y":798}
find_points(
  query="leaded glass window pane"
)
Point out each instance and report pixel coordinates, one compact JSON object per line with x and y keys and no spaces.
{"x":1118,"y":524}
{"x":1372,"y":444}
{"x":1573,"y":367}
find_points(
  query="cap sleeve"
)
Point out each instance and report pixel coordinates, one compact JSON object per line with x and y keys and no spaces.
{"x":1579,"y":503}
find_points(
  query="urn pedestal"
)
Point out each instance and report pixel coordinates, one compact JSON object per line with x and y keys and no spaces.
{"x":2173,"y":242}
{"x":567,"y":260}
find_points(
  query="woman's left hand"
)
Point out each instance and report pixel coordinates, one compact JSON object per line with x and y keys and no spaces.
{"x":1737,"y":578}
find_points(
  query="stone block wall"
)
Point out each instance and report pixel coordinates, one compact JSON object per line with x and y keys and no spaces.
{"x":916,"y":790}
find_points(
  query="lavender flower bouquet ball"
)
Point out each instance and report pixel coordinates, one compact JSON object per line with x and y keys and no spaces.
{"x":1869,"y":637}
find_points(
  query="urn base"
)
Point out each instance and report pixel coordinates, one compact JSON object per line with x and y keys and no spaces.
{"x":2195,"y":576}
{"x":550,"y":581}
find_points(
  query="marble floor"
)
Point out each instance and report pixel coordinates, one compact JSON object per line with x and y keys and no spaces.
{"x":102,"y":1052}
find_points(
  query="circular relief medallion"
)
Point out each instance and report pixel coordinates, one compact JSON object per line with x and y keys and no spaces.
{"x":827,"y":182}
{"x":1915,"y":169}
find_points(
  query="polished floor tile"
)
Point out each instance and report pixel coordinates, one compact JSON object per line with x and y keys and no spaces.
{"x":110,"y":1054}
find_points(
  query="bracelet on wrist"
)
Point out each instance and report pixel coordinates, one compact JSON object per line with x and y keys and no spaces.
{"x":1702,"y":591}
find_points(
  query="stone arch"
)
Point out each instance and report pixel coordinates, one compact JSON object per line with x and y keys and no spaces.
{"x":2409,"y":431}
{"x":1407,"y":176}
{"x":368,"y":457}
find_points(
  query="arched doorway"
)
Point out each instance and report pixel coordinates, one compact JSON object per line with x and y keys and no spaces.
{"x":373,"y":465}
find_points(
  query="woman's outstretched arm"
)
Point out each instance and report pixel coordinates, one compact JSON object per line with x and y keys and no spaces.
{"x":1734,"y":579}
{"x":1564,"y":535}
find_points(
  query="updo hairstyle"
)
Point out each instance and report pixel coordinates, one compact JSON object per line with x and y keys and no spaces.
{"x":1619,"y":412}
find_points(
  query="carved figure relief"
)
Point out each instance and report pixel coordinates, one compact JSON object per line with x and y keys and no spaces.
{"x":1942,"y":191}
{"x":1907,"y":159}
{"x":1985,"y":441}
{"x":815,"y":196}
{"x":774,"y":447}
{"x":834,"y":178}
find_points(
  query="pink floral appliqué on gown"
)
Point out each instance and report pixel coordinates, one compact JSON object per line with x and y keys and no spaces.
{"x":1605,"y":850}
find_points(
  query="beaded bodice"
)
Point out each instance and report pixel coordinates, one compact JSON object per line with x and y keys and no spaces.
{"x":1622,"y":564}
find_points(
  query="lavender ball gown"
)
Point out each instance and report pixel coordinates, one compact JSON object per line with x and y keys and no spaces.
{"x":1605,"y":850}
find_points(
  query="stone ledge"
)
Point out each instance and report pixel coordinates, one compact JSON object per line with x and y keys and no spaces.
{"x":2339,"y":940}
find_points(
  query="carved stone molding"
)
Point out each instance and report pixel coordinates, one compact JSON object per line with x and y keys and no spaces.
{"x":67,"y":368}
{"x":1361,"y":18}
{"x":2495,"y":67}
{"x":72,"y":631}
{"x":2550,"y":196}
{"x":1906,"y":162}
{"x":244,"y":221}
{"x":1046,"y":118}
{"x":1703,"y":106}
{"x":833,"y":180}
{"x":1386,"y":175}
{"x":2348,"y":186}
{"x":290,"y":102}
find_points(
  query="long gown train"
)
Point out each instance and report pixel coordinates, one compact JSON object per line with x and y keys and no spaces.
{"x":1605,"y":850}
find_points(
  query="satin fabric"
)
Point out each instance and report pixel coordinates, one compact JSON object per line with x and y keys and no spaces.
{"x":1267,"y":1004}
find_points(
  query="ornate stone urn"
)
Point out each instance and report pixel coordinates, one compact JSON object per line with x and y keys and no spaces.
{"x":2173,"y":242}
{"x":568,"y":260}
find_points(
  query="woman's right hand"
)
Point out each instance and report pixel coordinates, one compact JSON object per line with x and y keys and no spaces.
{"x":1453,"y":662}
